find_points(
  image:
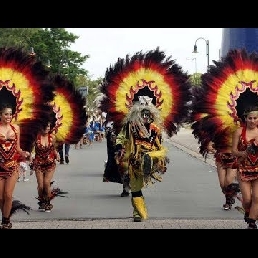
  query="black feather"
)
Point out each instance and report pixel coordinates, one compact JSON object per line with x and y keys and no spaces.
{"x":18,"y":205}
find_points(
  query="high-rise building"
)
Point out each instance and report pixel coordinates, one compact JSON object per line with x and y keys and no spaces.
{"x":235,"y":38}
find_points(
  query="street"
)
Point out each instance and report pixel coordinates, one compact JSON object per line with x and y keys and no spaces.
{"x":189,"y":191}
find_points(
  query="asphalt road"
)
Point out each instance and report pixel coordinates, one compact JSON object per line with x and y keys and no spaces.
{"x":188,"y":197}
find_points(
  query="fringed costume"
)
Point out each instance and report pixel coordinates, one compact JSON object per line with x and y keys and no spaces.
{"x":145,"y":96}
{"x":228,"y":88}
{"x":24,"y":84}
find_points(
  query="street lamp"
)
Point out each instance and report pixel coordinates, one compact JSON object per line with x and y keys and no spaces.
{"x":195,"y":62}
{"x":207,"y":50}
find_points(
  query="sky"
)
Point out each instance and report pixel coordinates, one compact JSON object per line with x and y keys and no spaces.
{"x":106,"y":45}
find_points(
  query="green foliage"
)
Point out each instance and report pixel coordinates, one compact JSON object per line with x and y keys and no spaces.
{"x":195,"y":79}
{"x":93,"y":88}
{"x":16,"y":37}
{"x":51,"y":46}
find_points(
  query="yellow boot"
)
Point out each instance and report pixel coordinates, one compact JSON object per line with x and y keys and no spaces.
{"x":140,"y":210}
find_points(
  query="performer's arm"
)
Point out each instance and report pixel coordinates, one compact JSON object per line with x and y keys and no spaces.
{"x":235,"y":142}
{"x":54,"y":143}
{"x":24,"y":154}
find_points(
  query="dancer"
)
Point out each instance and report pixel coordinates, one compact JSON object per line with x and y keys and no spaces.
{"x":228,"y":88}
{"x":225,"y":161}
{"x":245,"y":147}
{"x":65,"y":123}
{"x":24,"y":89}
{"x":44,"y":165}
{"x":144,"y":95}
{"x":9,"y":173}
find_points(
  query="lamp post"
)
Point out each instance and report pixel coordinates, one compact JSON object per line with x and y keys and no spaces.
{"x":207,"y":50}
{"x":195,"y":63}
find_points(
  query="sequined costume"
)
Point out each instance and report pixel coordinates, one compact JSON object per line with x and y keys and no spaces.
{"x":218,"y":106}
{"x":8,"y":154}
{"x":226,"y":159}
{"x":45,"y":156}
{"x":248,"y":168}
{"x":26,"y":89}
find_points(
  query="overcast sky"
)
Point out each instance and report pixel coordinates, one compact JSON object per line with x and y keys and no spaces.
{"x":105,"y":45}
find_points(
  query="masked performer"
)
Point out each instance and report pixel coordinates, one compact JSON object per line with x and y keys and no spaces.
{"x":67,"y":125}
{"x":144,"y":95}
{"x":228,"y":89}
{"x":24,"y":88}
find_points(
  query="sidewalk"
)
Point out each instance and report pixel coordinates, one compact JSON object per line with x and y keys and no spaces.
{"x":185,"y":141}
{"x":129,"y":224}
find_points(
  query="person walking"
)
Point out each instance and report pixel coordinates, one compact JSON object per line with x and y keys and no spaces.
{"x":63,"y":150}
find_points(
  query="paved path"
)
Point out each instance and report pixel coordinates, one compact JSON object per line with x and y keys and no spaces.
{"x":185,"y":141}
{"x":128,"y":224}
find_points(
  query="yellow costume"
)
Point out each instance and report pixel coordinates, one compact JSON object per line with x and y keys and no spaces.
{"x":145,"y":96}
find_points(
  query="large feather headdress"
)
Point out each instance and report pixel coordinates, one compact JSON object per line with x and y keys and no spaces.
{"x":68,"y":110}
{"x":24,"y":83}
{"x":228,"y":88}
{"x":152,"y":75}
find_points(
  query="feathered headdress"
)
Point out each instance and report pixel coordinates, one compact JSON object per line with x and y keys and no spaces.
{"x":152,"y":75}
{"x":69,"y":111}
{"x":228,"y":88}
{"x":24,"y":83}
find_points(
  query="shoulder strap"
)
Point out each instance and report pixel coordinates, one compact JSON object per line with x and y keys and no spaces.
{"x":14,"y":129}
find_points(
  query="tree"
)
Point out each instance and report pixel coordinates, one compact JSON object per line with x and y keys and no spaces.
{"x":51,"y":47}
{"x":17,"y":37}
{"x":53,"y":44}
{"x":195,"y":79}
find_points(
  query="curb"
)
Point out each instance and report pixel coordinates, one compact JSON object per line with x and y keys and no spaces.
{"x":191,"y":152}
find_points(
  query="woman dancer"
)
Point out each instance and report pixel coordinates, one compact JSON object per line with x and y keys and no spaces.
{"x":245,"y":142}
{"x":44,"y":165}
{"x":9,"y":173}
{"x":25,"y":87}
{"x":228,"y":88}
{"x":225,"y":161}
